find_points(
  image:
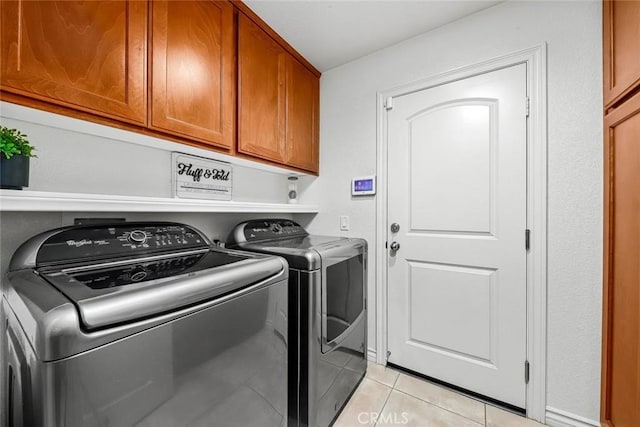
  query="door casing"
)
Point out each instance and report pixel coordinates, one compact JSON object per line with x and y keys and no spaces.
{"x":535,"y":59}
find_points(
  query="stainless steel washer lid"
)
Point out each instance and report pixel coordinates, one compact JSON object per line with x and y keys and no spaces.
{"x":122,"y":272}
{"x":135,"y":298}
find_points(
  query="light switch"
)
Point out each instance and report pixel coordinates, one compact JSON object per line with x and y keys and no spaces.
{"x":344,"y":223}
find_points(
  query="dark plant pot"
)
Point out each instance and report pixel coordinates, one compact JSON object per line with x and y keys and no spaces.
{"x":14,"y":172}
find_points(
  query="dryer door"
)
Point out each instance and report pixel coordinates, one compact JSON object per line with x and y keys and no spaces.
{"x":343,"y":292}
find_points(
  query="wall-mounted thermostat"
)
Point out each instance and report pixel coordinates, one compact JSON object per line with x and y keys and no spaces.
{"x":363,"y":186}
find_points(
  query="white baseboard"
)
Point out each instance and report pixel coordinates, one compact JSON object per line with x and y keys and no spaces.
{"x":371,"y":355}
{"x":559,"y":418}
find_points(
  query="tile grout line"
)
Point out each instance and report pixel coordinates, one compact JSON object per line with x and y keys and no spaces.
{"x":439,"y":407}
{"x":485,"y":414}
{"x":385,"y":403}
{"x":396,"y":381}
{"x":384,"y":384}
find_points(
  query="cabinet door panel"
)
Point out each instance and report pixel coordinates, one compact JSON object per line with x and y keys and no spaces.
{"x":621,"y":48}
{"x":86,"y":55}
{"x":621,"y":296}
{"x":192,"y":89}
{"x":302,"y":117}
{"x":261,"y":93}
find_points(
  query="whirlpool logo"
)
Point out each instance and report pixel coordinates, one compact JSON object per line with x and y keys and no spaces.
{"x":79,"y":243}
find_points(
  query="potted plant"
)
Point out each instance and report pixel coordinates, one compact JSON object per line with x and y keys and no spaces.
{"x":15,"y":151}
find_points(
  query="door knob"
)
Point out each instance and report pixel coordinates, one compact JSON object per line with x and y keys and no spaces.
{"x":395,"y":227}
{"x":394,"y":246}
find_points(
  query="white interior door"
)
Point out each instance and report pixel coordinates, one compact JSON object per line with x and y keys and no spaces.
{"x":457,"y":189}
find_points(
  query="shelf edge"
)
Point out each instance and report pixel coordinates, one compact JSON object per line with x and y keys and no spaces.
{"x":19,"y":201}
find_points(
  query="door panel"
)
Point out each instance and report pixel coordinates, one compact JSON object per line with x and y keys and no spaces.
{"x":449,"y":157}
{"x":434,"y":292}
{"x":87,"y":55}
{"x":457,"y":187}
{"x":621,"y":320}
{"x":621,"y":44}
{"x":193,"y":85}
{"x":261,"y":93}
{"x":302,"y":116}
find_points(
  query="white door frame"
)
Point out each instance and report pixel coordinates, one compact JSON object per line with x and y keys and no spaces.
{"x":535,"y":59}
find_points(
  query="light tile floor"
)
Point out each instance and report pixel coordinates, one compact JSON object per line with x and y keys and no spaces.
{"x":387,"y":397}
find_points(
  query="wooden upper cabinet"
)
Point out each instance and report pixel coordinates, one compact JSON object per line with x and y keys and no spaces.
{"x":165,"y":68}
{"x":261,"y":93}
{"x":192,"y":70}
{"x":277,"y":101}
{"x":86,"y":55}
{"x":621,"y":46}
{"x":302,"y":117}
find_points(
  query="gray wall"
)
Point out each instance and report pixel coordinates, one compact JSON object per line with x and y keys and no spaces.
{"x":573,"y":33}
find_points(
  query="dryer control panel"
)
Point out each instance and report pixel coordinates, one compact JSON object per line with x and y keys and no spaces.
{"x":266,"y":229}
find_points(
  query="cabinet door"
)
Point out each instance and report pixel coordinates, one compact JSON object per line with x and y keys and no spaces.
{"x":192,"y":70}
{"x":302,"y":117}
{"x":261,"y":93}
{"x":86,"y":55}
{"x":621,"y":47}
{"x":621,"y":296}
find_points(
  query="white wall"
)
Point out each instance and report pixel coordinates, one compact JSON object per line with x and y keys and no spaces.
{"x":76,"y":156}
{"x":348,"y":148}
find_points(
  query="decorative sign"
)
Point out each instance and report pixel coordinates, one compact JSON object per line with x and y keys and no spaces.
{"x":201,"y":178}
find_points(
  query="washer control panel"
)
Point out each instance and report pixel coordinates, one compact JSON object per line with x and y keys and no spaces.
{"x":121,"y":239}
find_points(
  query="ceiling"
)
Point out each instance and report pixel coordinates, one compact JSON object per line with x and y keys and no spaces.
{"x":331,"y":33}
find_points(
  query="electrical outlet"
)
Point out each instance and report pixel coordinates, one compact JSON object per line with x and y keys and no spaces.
{"x":344,"y":223}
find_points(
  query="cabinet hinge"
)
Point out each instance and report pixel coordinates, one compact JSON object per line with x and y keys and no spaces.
{"x":527,"y":106}
{"x":527,"y":239}
{"x":388,"y":103}
{"x":526,"y":372}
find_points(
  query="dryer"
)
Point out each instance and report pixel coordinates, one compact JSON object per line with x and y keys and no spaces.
{"x":327,"y":314}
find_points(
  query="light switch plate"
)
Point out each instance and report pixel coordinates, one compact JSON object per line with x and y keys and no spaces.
{"x":344,"y":223}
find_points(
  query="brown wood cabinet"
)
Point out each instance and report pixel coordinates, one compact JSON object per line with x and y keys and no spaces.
{"x":621,"y":322}
{"x":620,"y":395}
{"x":182,"y":70}
{"x":88,"y":56}
{"x":302,"y":117}
{"x":621,"y":45}
{"x":261,"y":93}
{"x":278,"y":101}
{"x":192,"y":70}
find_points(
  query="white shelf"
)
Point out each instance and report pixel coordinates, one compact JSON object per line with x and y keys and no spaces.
{"x":42,"y":201}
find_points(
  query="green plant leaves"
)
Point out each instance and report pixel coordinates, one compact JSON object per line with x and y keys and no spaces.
{"x":12,"y":142}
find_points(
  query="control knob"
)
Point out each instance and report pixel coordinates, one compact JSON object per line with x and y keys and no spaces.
{"x":138,"y":236}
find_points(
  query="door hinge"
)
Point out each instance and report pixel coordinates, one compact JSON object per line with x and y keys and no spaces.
{"x":527,"y":106}
{"x":386,"y":245}
{"x":527,"y":239}
{"x":526,"y":372}
{"x":388,"y":103}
